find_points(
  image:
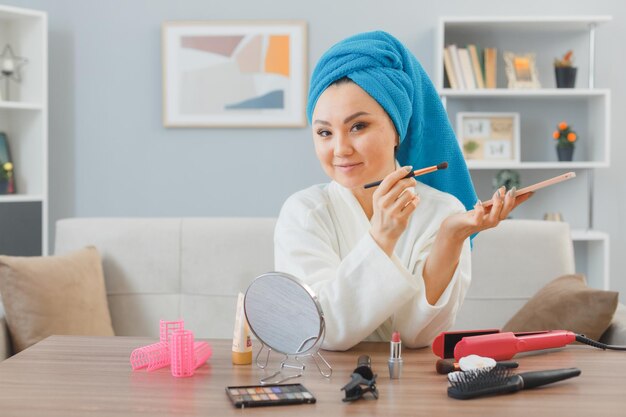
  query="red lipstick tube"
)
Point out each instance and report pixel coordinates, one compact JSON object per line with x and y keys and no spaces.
{"x":395,"y":357}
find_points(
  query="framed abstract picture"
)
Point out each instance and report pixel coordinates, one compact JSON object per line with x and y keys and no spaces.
{"x":234,"y":74}
{"x":487,"y":138}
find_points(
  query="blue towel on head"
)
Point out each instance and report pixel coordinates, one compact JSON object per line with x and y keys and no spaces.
{"x":382,"y":66}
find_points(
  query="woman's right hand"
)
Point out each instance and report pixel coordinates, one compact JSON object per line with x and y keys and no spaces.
{"x":394,"y":201}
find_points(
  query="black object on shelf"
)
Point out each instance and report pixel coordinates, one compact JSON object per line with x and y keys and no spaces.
{"x":565,"y":153}
{"x":565,"y":77}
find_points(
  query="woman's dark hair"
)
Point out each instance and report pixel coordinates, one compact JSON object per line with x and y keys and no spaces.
{"x":342,"y":80}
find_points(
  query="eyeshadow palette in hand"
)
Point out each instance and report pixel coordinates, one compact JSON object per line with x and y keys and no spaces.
{"x":263,"y":395}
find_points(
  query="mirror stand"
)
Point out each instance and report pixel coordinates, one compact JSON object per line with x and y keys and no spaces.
{"x":279,"y":377}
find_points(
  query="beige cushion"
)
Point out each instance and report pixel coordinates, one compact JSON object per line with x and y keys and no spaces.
{"x":63,"y":295}
{"x":566,"y":303}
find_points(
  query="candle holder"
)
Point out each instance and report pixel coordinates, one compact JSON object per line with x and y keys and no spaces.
{"x":10,"y":66}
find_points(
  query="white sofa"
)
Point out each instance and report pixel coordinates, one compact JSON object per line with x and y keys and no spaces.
{"x":193,"y":268}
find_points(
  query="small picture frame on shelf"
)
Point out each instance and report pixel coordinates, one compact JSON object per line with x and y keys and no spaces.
{"x":234,"y":73}
{"x":487,"y":138}
{"x":521,"y":70}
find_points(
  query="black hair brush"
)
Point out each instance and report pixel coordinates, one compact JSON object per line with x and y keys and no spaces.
{"x":500,"y":380}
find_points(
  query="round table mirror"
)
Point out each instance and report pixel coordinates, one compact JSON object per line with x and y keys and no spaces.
{"x":284,"y":314}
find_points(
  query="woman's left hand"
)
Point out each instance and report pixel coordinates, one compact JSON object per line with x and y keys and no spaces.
{"x":463,"y":225}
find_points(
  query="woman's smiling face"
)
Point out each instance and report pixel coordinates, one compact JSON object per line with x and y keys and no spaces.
{"x":354,"y":137}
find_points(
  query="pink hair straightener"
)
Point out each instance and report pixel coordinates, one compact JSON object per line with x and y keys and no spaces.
{"x":503,"y":346}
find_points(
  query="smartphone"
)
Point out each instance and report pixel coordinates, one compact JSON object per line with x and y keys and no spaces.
{"x":264,"y":395}
{"x":539,"y":185}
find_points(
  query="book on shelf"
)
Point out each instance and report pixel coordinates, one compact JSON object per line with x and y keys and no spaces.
{"x":478,"y":74}
{"x":491,"y":67}
{"x":456,"y":66}
{"x":466,"y":68}
{"x":449,"y":69}
{"x":463,"y":67}
{"x":470,"y":68}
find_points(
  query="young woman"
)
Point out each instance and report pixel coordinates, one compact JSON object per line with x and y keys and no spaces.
{"x":395,"y":257}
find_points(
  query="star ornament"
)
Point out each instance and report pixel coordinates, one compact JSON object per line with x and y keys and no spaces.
{"x":10,"y":65}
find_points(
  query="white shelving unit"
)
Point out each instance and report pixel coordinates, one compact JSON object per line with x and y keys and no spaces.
{"x":24,"y":119}
{"x":591,"y":249}
{"x":586,"y":108}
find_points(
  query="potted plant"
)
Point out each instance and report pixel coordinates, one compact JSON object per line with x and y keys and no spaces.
{"x":565,"y":137}
{"x":508,"y":179}
{"x":565,"y":71}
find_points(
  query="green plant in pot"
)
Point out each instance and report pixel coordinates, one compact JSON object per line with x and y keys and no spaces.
{"x":565,"y":138}
{"x":565,"y":71}
{"x":508,"y":179}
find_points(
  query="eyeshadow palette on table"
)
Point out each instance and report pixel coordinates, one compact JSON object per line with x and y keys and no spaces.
{"x":265,"y":395}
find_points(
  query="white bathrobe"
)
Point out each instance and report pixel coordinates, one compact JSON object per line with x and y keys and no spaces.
{"x":322,"y":237}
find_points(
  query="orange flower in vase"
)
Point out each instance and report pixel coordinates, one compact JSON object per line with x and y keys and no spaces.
{"x":565,"y":138}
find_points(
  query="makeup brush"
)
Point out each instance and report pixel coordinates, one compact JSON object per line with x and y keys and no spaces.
{"x":415,"y":173}
{"x":445,"y":366}
{"x":501,"y":380}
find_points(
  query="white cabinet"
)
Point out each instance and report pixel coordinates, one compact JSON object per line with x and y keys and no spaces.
{"x":24,"y":119}
{"x":586,"y":108}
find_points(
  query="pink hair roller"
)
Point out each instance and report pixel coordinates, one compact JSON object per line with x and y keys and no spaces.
{"x":154,"y":356}
{"x":176,"y":348}
{"x":202,"y":352}
{"x":183,"y":360}
{"x":166,"y":328}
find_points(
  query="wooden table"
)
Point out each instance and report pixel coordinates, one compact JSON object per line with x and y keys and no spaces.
{"x":91,"y":376}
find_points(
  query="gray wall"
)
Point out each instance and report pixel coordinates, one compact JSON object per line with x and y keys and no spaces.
{"x":111,"y":156}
